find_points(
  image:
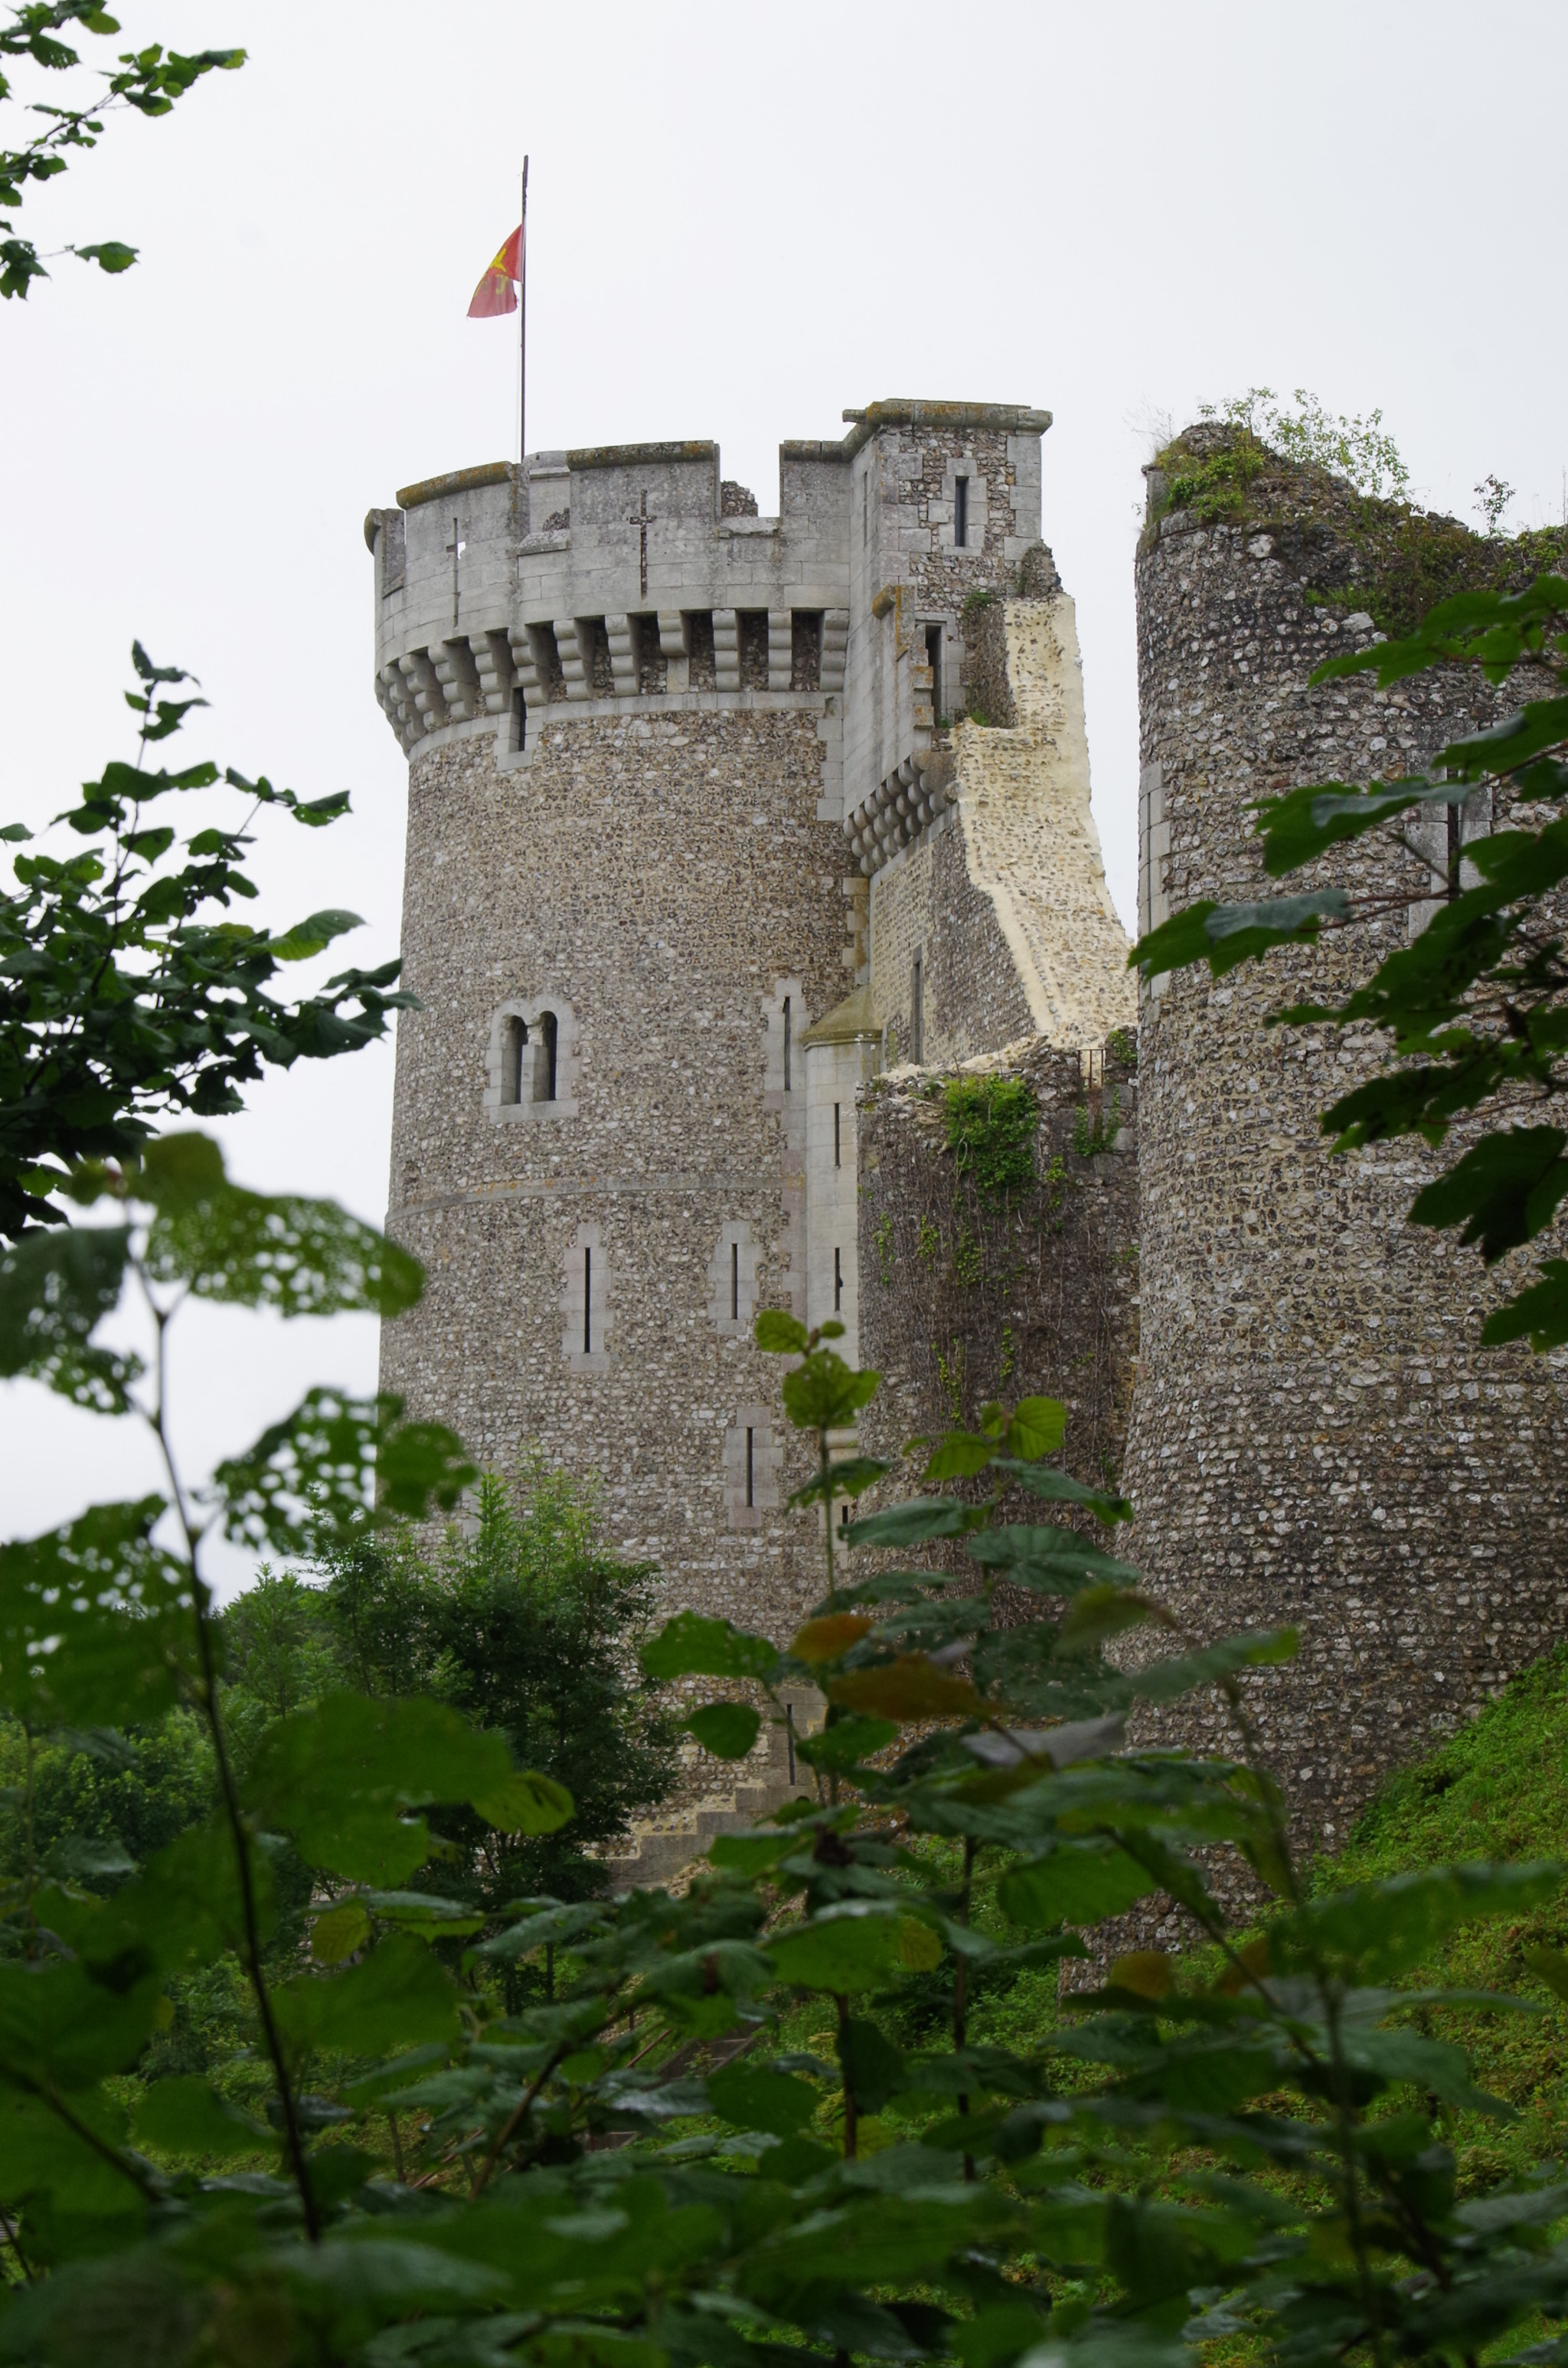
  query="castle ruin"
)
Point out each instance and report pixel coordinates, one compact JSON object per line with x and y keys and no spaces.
{"x":705,"y":828}
{"x":729,"y":836}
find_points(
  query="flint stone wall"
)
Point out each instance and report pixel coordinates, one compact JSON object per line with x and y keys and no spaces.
{"x":1318,"y":1438}
{"x":965,"y":1296}
{"x":656,"y":881}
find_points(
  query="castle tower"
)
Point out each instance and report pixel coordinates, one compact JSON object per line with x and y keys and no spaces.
{"x":1317,"y":1435}
{"x":638,"y":717}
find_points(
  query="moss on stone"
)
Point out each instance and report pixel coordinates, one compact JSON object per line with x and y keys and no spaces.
{"x":1350,"y":549}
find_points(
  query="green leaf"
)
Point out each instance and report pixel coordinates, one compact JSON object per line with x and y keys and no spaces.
{"x":525,"y":1803}
{"x":253,"y":1249}
{"x":1540,"y":1312}
{"x":397,"y":1996}
{"x":824,"y":1393}
{"x":183,"y":2116}
{"x":340,"y":1931}
{"x":1225,"y":935}
{"x":56,"y":1287}
{"x":1304,"y":823}
{"x":1042,"y":1480}
{"x":873,"y":2067}
{"x":855,"y":1946}
{"x":72,"y":2025}
{"x":309,"y":936}
{"x":1079,"y":1883}
{"x":1550,"y":1966}
{"x":960,"y":1457}
{"x":46,"y":2163}
{"x":691,"y":1646}
{"x":915,"y":1521}
{"x":96,"y":1627}
{"x":851,"y":1477}
{"x":342,"y":1777}
{"x":1044,"y":1555}
{"x":728,"y":1730}
{"x":1164,"y":1682}
{"x":754,"y":2098}
{"x":1504,"y":1191}
{"x":780,"y":1334}
{"x":1038,"y":1428}
{"x":847,"y":1743}
{"x":334,"y":1467}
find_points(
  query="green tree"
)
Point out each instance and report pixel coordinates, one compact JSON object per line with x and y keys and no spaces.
{"x":536,"y":1629}
{"x":129,"y":993}
{"x":149,"y":83}
{"x":274,"y":1645}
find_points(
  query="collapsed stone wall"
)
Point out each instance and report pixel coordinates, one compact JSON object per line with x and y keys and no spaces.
{"x":1001,"y":898}
{"x":968,"y":1294}
{"x":1318,"y":1437}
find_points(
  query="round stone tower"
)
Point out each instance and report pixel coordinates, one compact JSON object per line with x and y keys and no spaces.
{"x":1317,"y":1435}
{"x":636,"y":715}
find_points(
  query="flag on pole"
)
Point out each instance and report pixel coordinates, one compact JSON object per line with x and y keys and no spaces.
{"x":495,"y":292}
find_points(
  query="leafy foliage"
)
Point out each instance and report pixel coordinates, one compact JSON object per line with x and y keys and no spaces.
{"x":1476,"y":1007}
{"x":127,"y":991}
{"x":149,"y":81}
{"x":1257,"y":2148}
{"x":991,"y":1131}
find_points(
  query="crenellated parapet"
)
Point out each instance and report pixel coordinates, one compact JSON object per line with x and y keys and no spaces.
{"x":625,"y":578}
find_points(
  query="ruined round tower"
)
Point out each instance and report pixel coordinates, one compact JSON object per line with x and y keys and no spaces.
{"x":1317,"y":1436}
{"x":637,"y":716}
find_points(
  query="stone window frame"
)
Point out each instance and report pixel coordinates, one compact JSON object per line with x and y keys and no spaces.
{"x":767,"y":1461}
{"x":586,"y":1258}
{"x":941,"y":514}
{"x":530,"y":1009}
{"x":775,"y":1097}
{"x":1427,"y":832}
{"x":732,"y":1273}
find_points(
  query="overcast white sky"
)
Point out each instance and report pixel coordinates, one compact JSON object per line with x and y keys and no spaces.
{"x":740,"y":221}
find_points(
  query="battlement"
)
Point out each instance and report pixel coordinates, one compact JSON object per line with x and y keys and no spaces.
{"x":622,"y":575}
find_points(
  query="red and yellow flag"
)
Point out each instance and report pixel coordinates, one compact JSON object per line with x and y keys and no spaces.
{"x":495,"y":292}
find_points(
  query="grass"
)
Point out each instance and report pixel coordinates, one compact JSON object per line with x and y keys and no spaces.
{"x":1496,"y":1790}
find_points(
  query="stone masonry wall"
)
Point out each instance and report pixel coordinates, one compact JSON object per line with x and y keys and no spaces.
{"x":971,"y":998}
{"x":1317,"y":1435}
{"x":1003,"y":896}
{"x":965,"y":1296}
{"x":660,"y":886}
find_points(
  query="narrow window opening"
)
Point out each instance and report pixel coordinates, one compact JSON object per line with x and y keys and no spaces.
{"x":837,"y":1141}
{"x":751,"y":1468}
{"x":544,"y":1059}
{"x":838,"y":1281}
{"x":519,"y":720}
{"x":918,"y":1011}
{"x":513,"y":1052}
{"x":1455,"y":841}
{"x":734,"y":1282}
{"x":587,"y":1301}
{"x":844,"y":1524}
{"x":934,"y":660}
{"x":960,"y":514}
{"x":787,"y":1029}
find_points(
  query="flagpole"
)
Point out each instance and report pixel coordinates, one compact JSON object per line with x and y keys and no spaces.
{"x":523,"y":327}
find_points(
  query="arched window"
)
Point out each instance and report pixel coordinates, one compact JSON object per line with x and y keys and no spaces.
{"x":514,"y":1056}
{"x":533,"y":1064}
{"x":544,"y":1057}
